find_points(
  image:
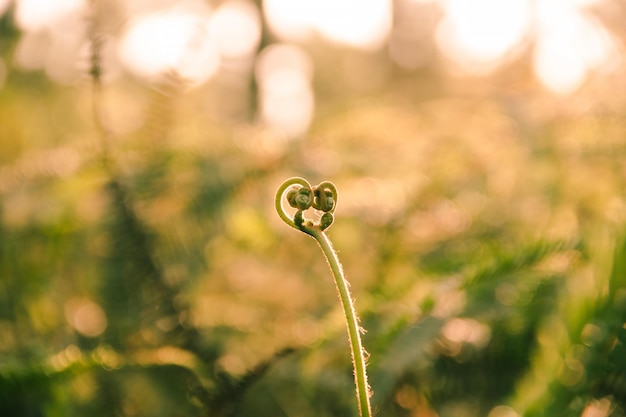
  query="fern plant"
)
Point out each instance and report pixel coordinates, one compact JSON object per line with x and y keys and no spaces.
{"x":302,"y":196}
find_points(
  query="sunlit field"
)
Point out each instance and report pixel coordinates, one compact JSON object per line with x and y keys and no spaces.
{"x":479,"y":152}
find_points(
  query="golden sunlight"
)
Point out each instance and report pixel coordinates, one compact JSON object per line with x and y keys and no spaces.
{"x":284,"y":74}
{"x":236,"y":27}
{"x":171,"y":40}
{"x":354,"y":23}
{"x":40,"y":14}
{"x":560,"y":66}
{"x":476,"y":35}
{"x":566,"y":43}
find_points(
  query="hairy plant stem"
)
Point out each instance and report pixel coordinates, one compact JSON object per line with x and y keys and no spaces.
{"x":316,"y":231}
{"x":354,"y":331}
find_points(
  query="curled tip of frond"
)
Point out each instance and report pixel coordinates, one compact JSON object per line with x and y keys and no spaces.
{"x":302,"y":196}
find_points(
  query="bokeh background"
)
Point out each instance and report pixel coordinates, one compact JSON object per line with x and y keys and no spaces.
{"x":479,"y":151}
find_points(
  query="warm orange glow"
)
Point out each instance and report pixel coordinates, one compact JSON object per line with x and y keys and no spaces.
{"x":360,"y":24}
{"x":502,"y":411}
{"x":560,"y":66}
{"x":236,"y":27}
{"x":286,"y":98}
{"x":171,"y":40}
{"x":364,"y":24}
{"x":40,"y":14}
{"x":477,"y":34}
{"x":4,"y":5}
{"x":598,"y":408}
{"x":191,"y":42}
{"x":466,"y":330}
{"x":87,"y":317}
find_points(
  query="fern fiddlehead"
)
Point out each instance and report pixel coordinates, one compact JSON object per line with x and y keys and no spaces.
{"x":323,"y":197}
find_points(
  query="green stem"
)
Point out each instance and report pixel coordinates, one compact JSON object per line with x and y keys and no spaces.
{"x":354,"y":331}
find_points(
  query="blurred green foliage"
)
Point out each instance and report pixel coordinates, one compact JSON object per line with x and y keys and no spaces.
{"x":483,"y":234}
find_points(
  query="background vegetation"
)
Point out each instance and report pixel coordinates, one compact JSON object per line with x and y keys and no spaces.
{"x":144,"y":272}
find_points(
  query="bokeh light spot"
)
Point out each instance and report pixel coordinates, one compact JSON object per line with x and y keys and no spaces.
{"x":172,"y":40}
{"x":289,"y":19}
{"x":363,"y":24}
{"x":86,"y":317}
{"x":236,"y":27}
{"x":284,"y":74}
{"x":559,"y":66}
{"x":476,"y":34}
{"x":32,"y":15}
{"x":502,"y":411}
{"x":466,"y":330}
{"x":598,"y":408}
{"x":353,"y":23}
